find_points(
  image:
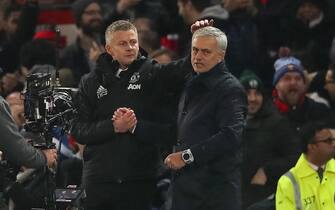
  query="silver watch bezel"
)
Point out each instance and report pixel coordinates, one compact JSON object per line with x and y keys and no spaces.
{"x":189,"y":153}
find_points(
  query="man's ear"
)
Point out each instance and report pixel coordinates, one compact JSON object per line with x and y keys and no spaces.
{"x":332,"y":131}
{"x":109,"y":49}
{"x":311,"y":147}
{"x":223,"y":53}
{"x":221,"y":56}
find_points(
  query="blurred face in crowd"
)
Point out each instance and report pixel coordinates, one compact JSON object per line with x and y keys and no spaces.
{"x":205,"y":53}
{"x":15,"y":101}
{"x":12,"y":22}
{"x":183,"y":8}
{"x":308,"y":12}
{"x":330,"y":84}
{"x":323,"y":145}
{"x":17,"y":112}
{"x":123,"y":46}
{"x":232,"y":5}
{"x":163,"y":59}
{"x":290,"y":88}
{"x":255,"y":101}
{"x":144,"y":26}
{"x":91,"y":19}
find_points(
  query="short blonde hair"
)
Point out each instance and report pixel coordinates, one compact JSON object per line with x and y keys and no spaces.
{"x":120,"y":25}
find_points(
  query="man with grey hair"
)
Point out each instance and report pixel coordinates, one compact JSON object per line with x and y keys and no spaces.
{"x":121,"y":154}
{"x":211,"y":117}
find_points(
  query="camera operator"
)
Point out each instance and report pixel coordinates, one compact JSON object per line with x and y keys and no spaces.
{"x":16,"y":149}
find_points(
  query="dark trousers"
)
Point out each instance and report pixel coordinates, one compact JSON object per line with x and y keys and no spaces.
{"x":266,"y":204}
{"x":125,"y":196}
{"x":207,"y":193}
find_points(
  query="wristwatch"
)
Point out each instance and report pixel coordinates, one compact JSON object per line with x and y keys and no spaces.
{"x":187,"y":156}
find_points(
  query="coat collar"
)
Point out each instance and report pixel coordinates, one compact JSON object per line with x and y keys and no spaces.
{"x":209,"y":79}
{"x":304,"y":169}
{"x":107,"y":65}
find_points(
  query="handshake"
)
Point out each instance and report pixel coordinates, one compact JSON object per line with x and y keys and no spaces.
{"x":124,"y":120}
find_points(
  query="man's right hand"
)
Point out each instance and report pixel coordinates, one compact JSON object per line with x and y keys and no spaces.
{"x":201,"y":24}
{"x":124,"y":120}
{"x":51,"y":155}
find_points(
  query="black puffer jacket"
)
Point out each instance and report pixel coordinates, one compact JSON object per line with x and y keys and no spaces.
{"x":145,"y":88}
{"x":271,"y":143}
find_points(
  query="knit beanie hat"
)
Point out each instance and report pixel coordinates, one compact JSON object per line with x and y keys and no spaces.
{"x":286,"y":63}
{"x":250,"y":80}
{"x":78,"y":8}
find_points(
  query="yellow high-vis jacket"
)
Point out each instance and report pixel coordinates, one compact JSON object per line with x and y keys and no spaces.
{"x":300,"y":188}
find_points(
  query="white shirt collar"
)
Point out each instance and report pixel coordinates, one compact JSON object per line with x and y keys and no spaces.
{"x":119,"y":71}
{"x":315,"y":167}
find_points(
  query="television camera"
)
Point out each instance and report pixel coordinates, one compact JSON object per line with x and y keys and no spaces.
{"x":46,"y":106}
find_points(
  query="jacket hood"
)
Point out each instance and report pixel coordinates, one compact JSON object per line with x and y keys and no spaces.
{"x":215,"y":11}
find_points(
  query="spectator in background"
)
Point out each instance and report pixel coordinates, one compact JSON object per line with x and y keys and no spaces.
{"x":271,"y":18}
{"x":15,"y":101}
{"x":289,"y":93}
{"x":10,"y":83}
{"x":322,"y":87}
{"x":310,"y":183}
{"x":3,"y":6}
{"x":243,"y":36}
{"x":11,"y":18}
{"x":163,"y":56}
{"x":193,"y":10}
{"x":265,"y":156}
{"x":148,"y":36}
{"x":20,"y":28}
{"x":81,"y":56}
{"x":38,"y":56}
{"x":235,"y":19}
{"x":310,"y":34}
{"x":133,"y":9}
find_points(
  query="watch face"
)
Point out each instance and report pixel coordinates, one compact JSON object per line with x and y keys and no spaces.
{"x":186,"y":156}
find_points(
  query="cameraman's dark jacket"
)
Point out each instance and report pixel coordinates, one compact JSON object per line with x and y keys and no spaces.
{"x":150,"y":90}
{"x":14,"y":147}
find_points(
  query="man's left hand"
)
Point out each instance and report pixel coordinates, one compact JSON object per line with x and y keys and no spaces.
{"x":174,"y":161}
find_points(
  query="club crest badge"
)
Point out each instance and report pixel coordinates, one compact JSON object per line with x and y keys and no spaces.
{"x":135,"y":77}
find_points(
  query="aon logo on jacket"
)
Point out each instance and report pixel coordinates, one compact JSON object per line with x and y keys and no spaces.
{"x":134,"y":87}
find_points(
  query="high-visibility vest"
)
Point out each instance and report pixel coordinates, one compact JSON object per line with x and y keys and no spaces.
{"x":300,"y":188}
